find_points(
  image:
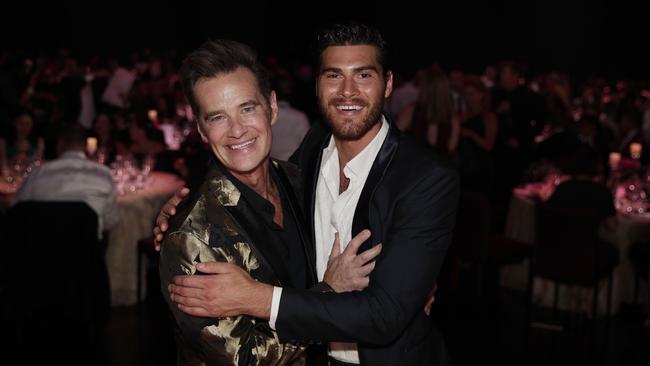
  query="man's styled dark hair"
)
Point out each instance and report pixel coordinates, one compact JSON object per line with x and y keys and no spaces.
{"x":216,"y":57}
{"x":353,"y":34}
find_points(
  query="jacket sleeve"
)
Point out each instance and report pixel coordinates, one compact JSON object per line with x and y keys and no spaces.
{"x":416,"y":239}
{"x":229,"y":340}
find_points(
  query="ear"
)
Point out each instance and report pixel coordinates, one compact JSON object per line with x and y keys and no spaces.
{"x":273,"y":103}
{"x":389,"y":84}
{"x":198,"y":128}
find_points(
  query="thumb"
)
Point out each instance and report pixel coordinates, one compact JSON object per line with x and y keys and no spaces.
{"x":214,"y":267}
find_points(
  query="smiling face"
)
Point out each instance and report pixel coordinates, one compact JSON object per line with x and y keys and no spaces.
{"x":235,"y":119}
{"x":351,"y":90}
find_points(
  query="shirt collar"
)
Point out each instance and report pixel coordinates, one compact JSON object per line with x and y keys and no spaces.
{"x":258,"y":202}
{"x":360,"y":165}
{"x":357,"y":168}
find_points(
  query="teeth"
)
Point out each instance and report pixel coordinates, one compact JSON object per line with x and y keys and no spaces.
{"x":243,"y":145}
{"x":349,"y":107}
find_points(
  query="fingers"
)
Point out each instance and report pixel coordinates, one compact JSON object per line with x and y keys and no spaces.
{"x":188,"y":281}
{"x":336,"y":247}
{"x":180,"y":194}
{"x":365,"y":270}
{"x":368,"y":255}
{"x":194,"y":310}
{"x":162,"y":221}
{"x":427,"y":308}
{"x":157,"y":238}
{"x":185,"y":292}
{"x":355,"y":243}
{"x":362,"y":283}
{"x":177,"y":197}
{"x":431,"y":298}
{"x":428,"y":305}
{"x":168,"y":210}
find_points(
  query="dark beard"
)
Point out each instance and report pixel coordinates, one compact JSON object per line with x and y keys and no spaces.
{"x":350,"y":131}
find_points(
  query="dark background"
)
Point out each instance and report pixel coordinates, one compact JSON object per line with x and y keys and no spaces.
{"x":580,"y":37}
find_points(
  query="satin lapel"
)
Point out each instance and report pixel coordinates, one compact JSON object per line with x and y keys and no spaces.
{"x":297,"y":213}
{"x":382,"y":161}
{"x":243,"y":227}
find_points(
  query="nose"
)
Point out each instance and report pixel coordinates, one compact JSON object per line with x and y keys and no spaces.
{"x":237,"y":128}
{"x":348,"y":88}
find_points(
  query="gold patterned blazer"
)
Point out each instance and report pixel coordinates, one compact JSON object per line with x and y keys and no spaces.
{"x":204,"y":230}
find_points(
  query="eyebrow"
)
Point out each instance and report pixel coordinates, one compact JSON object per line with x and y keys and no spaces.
{"x":356,"y":69}
{"x":247,"y":103}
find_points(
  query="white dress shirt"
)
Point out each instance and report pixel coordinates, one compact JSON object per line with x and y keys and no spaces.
{"x":334,"y":213}
{"x":72,"y":177}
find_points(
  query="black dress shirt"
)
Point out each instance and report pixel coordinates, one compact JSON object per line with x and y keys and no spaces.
{"x":280,"y":245}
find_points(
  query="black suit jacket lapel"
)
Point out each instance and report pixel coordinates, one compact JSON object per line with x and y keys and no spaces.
{"x":311,"y":154}
{"x":382,"y":161}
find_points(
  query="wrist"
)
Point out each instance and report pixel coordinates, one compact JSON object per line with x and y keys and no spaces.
{"x":260,"y":304}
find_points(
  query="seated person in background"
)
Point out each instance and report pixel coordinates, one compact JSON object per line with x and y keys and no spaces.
{"x":585,"y":187}
{"x":145,"y":139}
{"x":72,"y":177}
{"x":585,"y":190}
{"x":104,"y":130}
{"x":21,"y":141}
{"x":122,"y":144}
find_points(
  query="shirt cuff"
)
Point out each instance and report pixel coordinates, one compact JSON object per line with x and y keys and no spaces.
{"x":275,"y":306}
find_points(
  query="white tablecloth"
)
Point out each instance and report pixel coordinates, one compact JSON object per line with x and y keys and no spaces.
{"x":137,"y":213}
{"x":521,"y":225}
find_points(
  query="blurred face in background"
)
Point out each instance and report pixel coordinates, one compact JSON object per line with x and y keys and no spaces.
{"x":474,"y":97}
{"x":137,"y":133}
{"x":508,"y":78}
{"x":103,"y":126}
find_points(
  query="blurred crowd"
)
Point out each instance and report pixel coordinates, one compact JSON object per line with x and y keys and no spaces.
{"x":498,"y":127}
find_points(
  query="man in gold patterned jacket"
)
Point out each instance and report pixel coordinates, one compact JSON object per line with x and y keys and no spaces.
{"x":246,"y":212}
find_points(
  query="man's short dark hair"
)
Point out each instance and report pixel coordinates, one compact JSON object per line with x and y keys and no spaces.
{"x":72,"y":136}
{"x":353,"y":34}
{"x":216,"y":57}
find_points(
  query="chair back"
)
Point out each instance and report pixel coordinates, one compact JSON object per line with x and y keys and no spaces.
{"x":55,"y":278}
{"x":471,"y":233}
{"x":566,"y":243}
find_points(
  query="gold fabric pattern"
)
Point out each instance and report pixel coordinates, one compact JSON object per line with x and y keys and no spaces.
{"x":226,"y":192}
{"x":202,"y":231}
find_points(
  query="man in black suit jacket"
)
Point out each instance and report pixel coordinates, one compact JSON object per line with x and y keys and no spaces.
{"x":401,"y":191}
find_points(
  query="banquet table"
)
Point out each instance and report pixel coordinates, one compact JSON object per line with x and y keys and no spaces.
{"x":136,"y":212}
{"x":521,"y":225}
